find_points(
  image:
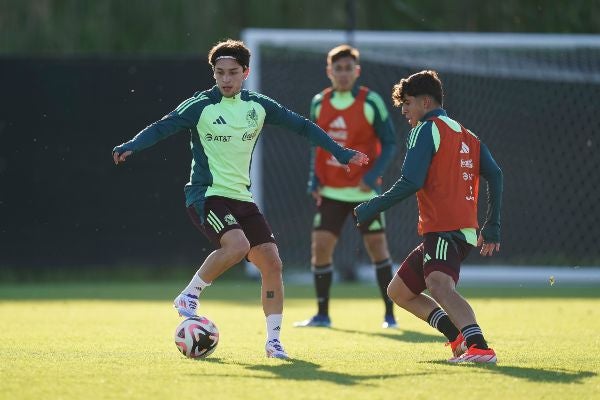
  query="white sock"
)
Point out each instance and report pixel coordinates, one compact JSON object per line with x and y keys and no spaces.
{"x":273,"y":326}
{"x":195,"y":286}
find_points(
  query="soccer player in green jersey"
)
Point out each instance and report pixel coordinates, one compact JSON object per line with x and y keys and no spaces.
{"x":224,"y":123}
{"x":357,"y":117}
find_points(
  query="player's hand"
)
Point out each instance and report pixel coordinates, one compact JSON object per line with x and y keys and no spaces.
{"x":317,"y":196}
{"x":359,"y":159}
{"x":487,"y":249}
{"x":121,"y":157}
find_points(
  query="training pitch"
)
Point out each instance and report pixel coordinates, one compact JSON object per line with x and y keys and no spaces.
{"x":115,"y":341}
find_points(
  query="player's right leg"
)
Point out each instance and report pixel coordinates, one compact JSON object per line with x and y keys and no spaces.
{"x":221,"y":228}
{"x":406,"y":289}
{"x":322,"y":246}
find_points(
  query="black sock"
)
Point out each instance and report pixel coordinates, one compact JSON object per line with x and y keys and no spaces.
{"x":441,"y":321}
{"x":323,"y":275}
{"x":383,"y":271}
{"x":474,"y":336}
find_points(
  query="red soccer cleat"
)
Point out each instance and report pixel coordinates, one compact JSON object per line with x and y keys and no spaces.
{"x":473,"y":354}
{"x":458,"y":346}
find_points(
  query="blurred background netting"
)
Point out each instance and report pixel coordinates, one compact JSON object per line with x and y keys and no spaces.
{"x":537,"y":109}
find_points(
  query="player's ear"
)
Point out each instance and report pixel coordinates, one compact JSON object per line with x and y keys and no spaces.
{"x":328,"y":71}
{"x":246,"y":73}
{"x":426,"y":102}
{"x":357,"y":70}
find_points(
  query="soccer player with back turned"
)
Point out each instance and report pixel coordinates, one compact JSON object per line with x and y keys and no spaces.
{"x":442,"y":166}
{"x":357,"y":117}
{"x":224,"y":124}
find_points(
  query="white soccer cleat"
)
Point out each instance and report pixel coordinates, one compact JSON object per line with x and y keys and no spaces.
{"x":186,"y":305}
{"x":274,"y":349}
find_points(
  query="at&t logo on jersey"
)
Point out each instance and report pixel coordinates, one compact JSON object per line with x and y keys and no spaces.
{"x":217,"y":138}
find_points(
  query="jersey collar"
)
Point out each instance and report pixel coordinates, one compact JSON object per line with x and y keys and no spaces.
{"x":438,"y":112}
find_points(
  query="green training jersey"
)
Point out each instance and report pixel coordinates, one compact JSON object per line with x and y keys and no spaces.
{"x":224,"y":132}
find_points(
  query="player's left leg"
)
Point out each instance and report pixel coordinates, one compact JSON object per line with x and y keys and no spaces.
{"x":327,"y":225}
{"x":376,"y":245}
{"x":266,"y":257}
{"x":441,"y":275}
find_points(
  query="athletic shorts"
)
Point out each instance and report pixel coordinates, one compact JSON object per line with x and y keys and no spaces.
{"x":434,"y":254}
{"x":222,"y":214}
{"x":332,"y":214}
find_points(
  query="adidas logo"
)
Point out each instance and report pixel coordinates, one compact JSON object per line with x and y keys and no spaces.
{"x":464,"y":149}
{"x":278,"y":328}
{"x":338,"y":123}
{"x":220,"y":121}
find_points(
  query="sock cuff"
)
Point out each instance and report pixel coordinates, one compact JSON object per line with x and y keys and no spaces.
{"x":383,"y":263}
{"x":471,"y":330}
{"x":202,"y":283}
{"x":435,"y":316}
{"x":321,"y":269}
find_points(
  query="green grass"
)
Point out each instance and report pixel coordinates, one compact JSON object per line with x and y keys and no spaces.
{"x":114,"y":341}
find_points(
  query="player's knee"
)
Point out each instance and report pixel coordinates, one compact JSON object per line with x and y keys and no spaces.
{"x":238,"y":249}
{"x":398,"y":295}
{"x":439,"y":285}
{"x":393,"y":294}
{"x":376,"y":244}
{"x":319,"y":248}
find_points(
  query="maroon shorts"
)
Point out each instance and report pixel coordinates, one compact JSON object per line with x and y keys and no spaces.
{"x":436,"y":253}
{"x":222,"y":214}
{"x":332,"y":214}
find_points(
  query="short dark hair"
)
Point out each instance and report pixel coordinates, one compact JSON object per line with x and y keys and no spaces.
{"x":341,"y":51}
{"x":230,"y":48}
{"x":422,"y":83}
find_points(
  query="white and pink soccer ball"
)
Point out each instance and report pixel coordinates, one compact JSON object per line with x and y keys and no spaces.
{"x":196,"y":337}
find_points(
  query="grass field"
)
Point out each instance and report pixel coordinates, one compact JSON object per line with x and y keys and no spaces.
{"x":115,"y":341}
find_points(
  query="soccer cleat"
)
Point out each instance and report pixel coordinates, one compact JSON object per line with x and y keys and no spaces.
{"x":389,"y":322}
{"x":186,"y":305}
{"x":318,"y":320}
{"x":473,"y":354}
{"x":274,"y":349}
{"x":458,"y":346}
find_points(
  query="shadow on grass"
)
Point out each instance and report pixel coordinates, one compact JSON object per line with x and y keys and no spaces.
{"x":400,"y":335}
{"x":300,"y":370}
{"x":530,"y":374}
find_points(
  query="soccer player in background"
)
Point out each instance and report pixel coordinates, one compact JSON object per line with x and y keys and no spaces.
{"x":357,"y":117}
{"x":442,"y":166}
{"x":225,"y":123}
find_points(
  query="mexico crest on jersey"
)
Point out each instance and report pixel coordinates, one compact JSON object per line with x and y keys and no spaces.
{"x":230,"y":219}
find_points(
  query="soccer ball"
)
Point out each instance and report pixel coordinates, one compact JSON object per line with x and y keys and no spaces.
{"x":196,"y":337}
